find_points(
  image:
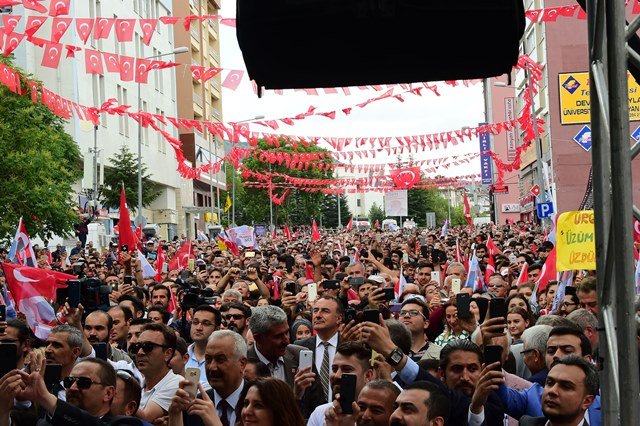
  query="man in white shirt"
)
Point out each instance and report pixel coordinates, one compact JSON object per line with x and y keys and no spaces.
{"x":153,"y":351}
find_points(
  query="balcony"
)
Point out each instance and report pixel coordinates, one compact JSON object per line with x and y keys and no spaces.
{"x":216,"y":114}
{"x":213,"y":28}
{"x":213,"y":57}
{"x":197,"y":99}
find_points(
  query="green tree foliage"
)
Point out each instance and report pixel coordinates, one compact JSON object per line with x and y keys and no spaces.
{"x":330,"y":211}
{"x":376,"y":213}
{"x":124,"y":169}
{"x":39,"y":163}
{"x":299,"y":206}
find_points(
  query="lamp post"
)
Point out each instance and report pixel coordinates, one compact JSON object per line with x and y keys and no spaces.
{"x":140,"y":218}
{"x":233,"y":177}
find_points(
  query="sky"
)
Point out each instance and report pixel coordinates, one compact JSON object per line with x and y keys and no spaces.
{"x":457,"y":107}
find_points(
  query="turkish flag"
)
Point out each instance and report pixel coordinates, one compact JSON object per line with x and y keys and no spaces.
{"x":102,"y":28}
{"x":181,"y":259}
{"x":142,"y":70}
{"x":491,"y":269}
{"x":126,"y":68}
{"x":34,"y":5}
{"x":93,"y":62}
{"x":197,"y":71}
{"x":51,"y":55}
{"x":315,"y":234}
{"x":59,"y":7}
{"x":112,"y":62}
{"x":233,"y":79}
{"x":287,"y":232}
{"x":548,"y":272}
{"x":126,"y":235}
{"x":33,"y":24}
{"x":124,"y":29}
{"x":350,"y":224}
{"x":10,"y":22}
{"x":524,"y":274}
{"x":467,"y":210}
{"x":209,"y":73}
{"x":11,"y":42}
{"x":148,"y":26}
{"x":31,"y":289}
{"x":84,"y":26}
{"x":59,"y":27}
{"x":406,"y":178}
{"x":159,"y":263}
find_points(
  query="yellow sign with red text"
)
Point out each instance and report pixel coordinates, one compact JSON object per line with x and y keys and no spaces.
{"x":576,"y":241}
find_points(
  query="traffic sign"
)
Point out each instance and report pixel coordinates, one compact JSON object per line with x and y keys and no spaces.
{"x":636,"y":135}
{"x":583,"y":138}
{"x":545,"y":210}
{"x":535,"y":190}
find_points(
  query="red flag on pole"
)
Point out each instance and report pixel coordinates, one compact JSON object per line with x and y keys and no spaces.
{"x":287,"y":232}
{"x":548,"y":272}
{"x":524,"y":274}
{"x":159,"y":264}
{"x":350,"y":224}
{"x":315,"y":234}
{"x":181,"y":260}
{"x":32,"y":288}
{"x":126,"y":235}
{"x":491,"y":269}
{"x":467,"y":210}
{"x":376,"y":225}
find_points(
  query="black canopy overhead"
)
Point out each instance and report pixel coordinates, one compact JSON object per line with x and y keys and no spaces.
{"x":290,"y":44}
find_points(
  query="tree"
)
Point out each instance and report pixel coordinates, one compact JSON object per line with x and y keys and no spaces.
{"x":39,"y":163}
{"x":376,"y":213}
{"x":329,"y":211}
{"x":299,"y":207}
{"x":124,"y":170}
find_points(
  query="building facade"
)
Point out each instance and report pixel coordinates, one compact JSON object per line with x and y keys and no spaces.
{"x":158,"y":96}
{"x":201,"y":102}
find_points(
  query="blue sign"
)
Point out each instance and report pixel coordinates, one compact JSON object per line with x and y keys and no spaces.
{"x":583,"y":138}
{"x":636,"y":135}
{"x":545,"y":210}
{"x":486,"y":170}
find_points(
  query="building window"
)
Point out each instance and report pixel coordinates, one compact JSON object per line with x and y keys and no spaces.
{"x":123,"y":122}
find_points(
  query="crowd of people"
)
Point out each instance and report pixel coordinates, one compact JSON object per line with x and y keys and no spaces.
{"x":360,"y":327}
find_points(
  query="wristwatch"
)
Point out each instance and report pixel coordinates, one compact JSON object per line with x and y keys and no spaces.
{"x":395,"y":357}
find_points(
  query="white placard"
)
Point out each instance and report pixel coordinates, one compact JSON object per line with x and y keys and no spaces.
{"x":395,"y":203}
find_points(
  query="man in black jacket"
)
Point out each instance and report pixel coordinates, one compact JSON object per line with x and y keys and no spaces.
{"x":90,"y":391}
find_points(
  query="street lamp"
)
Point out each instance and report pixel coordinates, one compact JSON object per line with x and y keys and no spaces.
{"x":233,"y":181}
{"x":140,"y":218}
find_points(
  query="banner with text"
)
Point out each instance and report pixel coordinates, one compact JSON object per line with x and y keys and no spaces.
{"x":486,"y":170}
{"x":576,"y":243}
{"x":574,"y":98}
{"x":395,"y":203}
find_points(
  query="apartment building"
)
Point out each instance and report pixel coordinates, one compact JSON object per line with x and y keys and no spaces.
{"x":201,"y":101}
{"x":158,"y":96}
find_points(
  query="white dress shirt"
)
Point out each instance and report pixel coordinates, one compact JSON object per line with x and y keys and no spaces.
{"x":232,"y":400}
{"x":319,"y":354}
{"x":277,"y":370}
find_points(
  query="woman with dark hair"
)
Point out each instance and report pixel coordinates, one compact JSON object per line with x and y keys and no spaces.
{"x":270,"y":401}
{"x":520,"y":301}
{"x":517,"y":322}
{"x":452,"y":327}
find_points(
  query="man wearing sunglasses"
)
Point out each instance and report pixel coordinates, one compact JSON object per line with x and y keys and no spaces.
{"x":237,"y":317}
{"x":90,"y":386}
{"x":153,"y":352}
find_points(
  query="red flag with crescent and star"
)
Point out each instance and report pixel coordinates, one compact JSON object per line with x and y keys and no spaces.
{"x":406,"y":178}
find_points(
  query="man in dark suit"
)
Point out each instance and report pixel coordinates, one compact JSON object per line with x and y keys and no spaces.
{"x":90,"y":391}
{"x":327,"y":317}
{"x":270,"y":331}
{"x":225,"y":359}
{"x":571,"y":387}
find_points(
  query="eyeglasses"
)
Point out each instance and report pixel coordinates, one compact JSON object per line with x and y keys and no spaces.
{"x":526,"y":351}
{"x":233,"y":316}
{"x":202,"y":323}
{"x":146,"y":347}
{"x":565,"y":304}
{"x":410,"y":312}
{"x":495,"y":285}
{"x":82,"y":382}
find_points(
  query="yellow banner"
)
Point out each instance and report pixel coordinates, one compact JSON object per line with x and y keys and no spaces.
{"x":574,"y":98}
{"x":576,"y":241}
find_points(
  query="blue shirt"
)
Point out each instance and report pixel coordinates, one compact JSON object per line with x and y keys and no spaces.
{"x":194,"y":363}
